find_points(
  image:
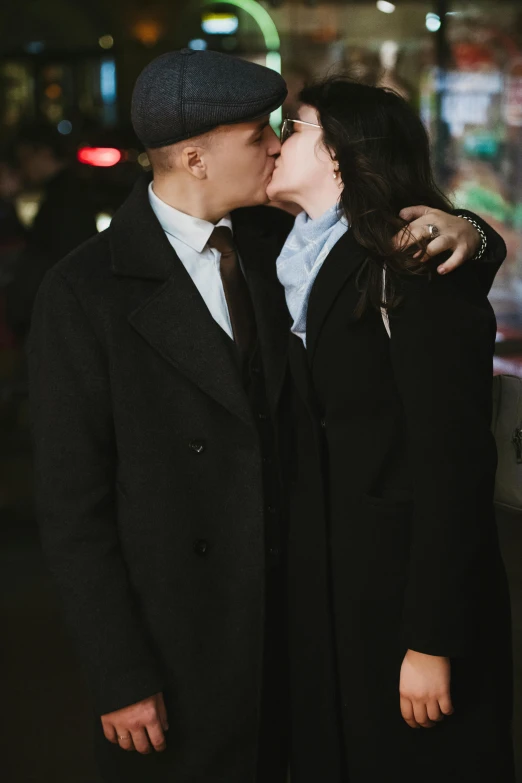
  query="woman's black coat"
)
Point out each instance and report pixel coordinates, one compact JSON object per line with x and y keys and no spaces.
{"x":149,"y":486}
{"x":392,"y":540}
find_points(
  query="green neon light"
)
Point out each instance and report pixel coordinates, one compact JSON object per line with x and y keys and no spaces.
{"x":261,"y":16}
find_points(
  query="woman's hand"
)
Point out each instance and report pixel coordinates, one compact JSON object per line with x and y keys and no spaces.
{"x":425,"y":689}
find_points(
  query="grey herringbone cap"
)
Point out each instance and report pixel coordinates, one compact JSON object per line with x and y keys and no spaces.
{"x":182,"y":94}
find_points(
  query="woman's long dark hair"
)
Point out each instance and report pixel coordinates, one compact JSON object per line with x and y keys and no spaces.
{"x":383,"y":153}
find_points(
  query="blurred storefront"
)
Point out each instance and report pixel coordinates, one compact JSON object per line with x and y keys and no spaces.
{"x":474,"y":111}
{"x":58,"y":88}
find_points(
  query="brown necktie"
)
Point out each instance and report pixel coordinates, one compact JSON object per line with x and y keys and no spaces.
{"x":236,"y":291}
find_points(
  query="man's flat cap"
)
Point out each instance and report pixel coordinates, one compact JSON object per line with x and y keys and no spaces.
{"x":183,"y":94}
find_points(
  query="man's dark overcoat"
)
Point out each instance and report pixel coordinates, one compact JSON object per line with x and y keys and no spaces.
{"x":392,"y":540}
{"x":149,"y":486}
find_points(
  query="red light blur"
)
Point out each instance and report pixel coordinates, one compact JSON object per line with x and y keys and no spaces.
{"x":99,"y":156}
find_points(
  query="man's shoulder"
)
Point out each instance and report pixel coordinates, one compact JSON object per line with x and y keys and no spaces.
{"x":90,"y":260}
{"x":82,"y":274}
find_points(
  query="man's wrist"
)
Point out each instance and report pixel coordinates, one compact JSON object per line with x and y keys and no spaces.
{"x":483,"y":239}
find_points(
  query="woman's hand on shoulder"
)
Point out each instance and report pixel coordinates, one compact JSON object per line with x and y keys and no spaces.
{"x":425,"y":689}
{"x":455,"y":235}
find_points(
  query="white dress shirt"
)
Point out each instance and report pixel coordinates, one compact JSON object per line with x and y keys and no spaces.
{"x":189,"y":237}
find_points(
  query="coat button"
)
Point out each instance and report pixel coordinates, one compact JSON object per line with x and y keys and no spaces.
{"x":201,"y":547}
{"x":271,"y":510}
{"x":262,"y":416}
{"x":323,"y":423}
{"x":198,"y":446}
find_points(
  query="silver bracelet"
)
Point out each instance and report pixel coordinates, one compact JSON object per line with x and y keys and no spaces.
{"x":484,"y":242}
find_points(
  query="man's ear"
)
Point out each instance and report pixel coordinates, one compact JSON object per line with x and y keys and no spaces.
{"x":193,"y":161}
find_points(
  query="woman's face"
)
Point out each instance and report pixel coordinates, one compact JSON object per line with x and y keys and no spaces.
{"x":304,"y":166}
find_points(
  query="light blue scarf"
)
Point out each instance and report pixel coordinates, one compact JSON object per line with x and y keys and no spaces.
{"x":301,"y":258}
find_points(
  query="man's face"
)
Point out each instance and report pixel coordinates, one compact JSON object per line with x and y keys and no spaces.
{"x":240,"y":162}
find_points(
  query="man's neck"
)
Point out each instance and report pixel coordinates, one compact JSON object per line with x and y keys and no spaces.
{"x":191,"y":201}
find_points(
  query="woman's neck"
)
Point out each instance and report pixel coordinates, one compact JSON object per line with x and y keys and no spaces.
{"x":317,"y":203}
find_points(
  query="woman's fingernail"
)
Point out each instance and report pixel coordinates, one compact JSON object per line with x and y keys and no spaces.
{"x":442,"y":271}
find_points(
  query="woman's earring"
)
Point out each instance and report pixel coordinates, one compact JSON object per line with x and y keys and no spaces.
{"x":335,"y":175}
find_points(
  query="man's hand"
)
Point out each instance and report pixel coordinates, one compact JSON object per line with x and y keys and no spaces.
{"x":425,"y":689}
{"x":455,"y":234}
{"x":138,"y":727}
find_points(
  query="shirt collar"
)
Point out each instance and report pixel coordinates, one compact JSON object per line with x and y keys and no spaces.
{"x":192,"y":231}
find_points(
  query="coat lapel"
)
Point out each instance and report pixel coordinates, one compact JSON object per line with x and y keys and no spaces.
{"x":174,"y":320}
{"x":344,"y":260}
{"x":259,"y":249}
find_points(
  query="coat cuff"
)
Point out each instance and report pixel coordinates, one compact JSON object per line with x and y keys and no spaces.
{"x":123,"y":688}
{"x":496,"y":250}
{"x":459,"y":644}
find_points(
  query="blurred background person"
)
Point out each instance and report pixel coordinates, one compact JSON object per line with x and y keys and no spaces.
{"x":66,"y":216}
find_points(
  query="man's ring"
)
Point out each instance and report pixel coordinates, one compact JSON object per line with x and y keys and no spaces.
{"x":434,"y":231}
{"x":125,"y":737}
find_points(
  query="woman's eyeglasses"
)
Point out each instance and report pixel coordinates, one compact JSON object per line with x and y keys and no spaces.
{"x":288,"y":127}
